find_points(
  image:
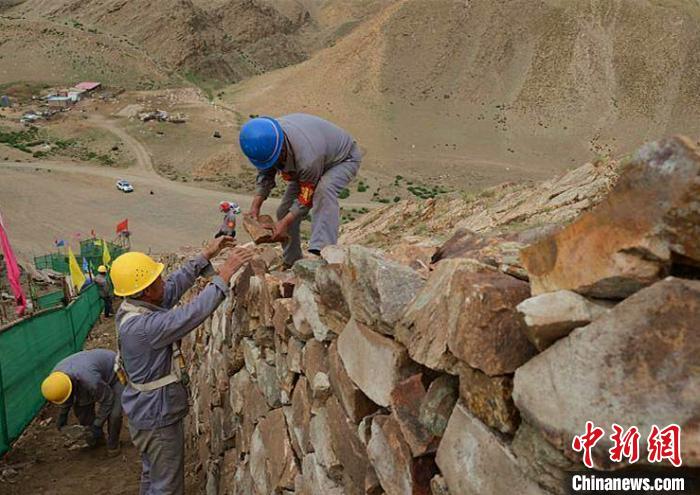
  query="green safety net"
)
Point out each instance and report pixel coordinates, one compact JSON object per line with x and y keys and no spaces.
{"x":30,"y":349}
{"x":50,"y":300}
{"x":90,"y":249}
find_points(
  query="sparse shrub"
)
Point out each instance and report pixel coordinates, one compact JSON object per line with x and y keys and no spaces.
{"x":344,"y":193}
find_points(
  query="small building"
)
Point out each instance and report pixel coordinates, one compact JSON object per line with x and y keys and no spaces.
{"x":60,"y":101}
{"x":75,"y":95}
{"x":4,"y":101}
{"x":88,"y":86}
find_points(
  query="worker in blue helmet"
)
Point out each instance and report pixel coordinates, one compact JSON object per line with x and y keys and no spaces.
{"x":317,"y":159}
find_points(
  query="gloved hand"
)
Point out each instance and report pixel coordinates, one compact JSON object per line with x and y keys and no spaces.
{"x":93,"y":435}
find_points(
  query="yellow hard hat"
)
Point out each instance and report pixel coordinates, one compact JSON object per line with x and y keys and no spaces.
{"x":101,"y":269}
{"x":57,"y":387}
{"x":133,"y":272}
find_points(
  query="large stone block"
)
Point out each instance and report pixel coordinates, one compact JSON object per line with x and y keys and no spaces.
{"x":501,"y":252}
{"x":406,"y":400}
{"x":541,"y":460}
{"x":637,"y":365}
{"x":436,"y":407}
{"x":474,"y":461}
{"x":314,"y":359}
{"x":306,"y":314}
{"x":300,"y":418}
{"x":321,"y":441}
{"x":373,"y":362}
{"x":272,"y":460}
{"x":355,"y":403}
{"x":398,"y":472}
{"x":377,"y":290}
{"x":468,"y":309}
{"x":648,"y":222}
{"x":350,"y":451}
{"x":489,"y":398}
{"x":551,"y":316}
{"x":316,"y":480}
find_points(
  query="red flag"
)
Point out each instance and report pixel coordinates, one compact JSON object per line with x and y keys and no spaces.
{"x":13,"y":274}
{"x":123,"y":225}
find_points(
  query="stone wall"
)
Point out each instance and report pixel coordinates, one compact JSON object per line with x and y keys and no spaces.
{"x":357,"y":374}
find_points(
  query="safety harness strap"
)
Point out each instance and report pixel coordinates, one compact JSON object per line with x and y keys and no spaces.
{"x":175,"y":373}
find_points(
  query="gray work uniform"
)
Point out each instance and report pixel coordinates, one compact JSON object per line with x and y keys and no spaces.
{"x":321,"y":160}
{"x":155,"y":417}
{"x":94,"y":382}
{"x":105,"y":290}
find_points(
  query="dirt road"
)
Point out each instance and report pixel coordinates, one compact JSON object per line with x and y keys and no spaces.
{"x":47,"y":200}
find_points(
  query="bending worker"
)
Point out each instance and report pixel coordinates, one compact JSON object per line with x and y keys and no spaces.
{"x":317,"y":158}
{"x":82,"y":380}
{"x":105,"y":289}
{"x":149,"y":328}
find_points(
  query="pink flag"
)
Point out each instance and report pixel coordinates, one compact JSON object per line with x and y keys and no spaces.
{"x":12,"y":270}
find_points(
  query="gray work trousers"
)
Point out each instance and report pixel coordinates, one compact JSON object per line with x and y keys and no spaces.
{"x":86,"y":415}
{"x":162,"y":458}
{"x":325,"y":212}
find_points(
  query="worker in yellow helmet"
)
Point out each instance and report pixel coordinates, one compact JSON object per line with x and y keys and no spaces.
{"x":82,"y":381}
{"x":149,"y":329}
{"x":105,"y":290}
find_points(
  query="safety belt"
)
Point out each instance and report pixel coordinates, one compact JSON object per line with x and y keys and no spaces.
{"x":177,"y":371}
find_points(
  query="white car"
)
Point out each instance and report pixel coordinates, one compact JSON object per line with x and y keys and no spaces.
{"x":124,"y":186}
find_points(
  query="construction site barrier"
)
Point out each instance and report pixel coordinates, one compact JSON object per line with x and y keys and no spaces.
{"x":29,"y":349}
{"x":50,"y":300}
{"x":88,"y":249}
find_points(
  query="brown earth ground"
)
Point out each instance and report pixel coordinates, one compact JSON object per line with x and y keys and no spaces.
{"x":40,"y":464}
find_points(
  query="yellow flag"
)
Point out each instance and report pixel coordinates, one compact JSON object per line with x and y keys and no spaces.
{"x":106,"y":258}
{"x":76,"y":274}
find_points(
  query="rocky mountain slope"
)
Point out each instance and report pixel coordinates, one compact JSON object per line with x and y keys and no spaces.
{"x":487,"y":91}
{"x":357,"y":374}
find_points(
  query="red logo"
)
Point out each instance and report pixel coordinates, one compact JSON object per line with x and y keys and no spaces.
{"x":626,"y":445}
{"x":662,"y":444}
{"x":665,"y":444}
{"x":587,"y":441}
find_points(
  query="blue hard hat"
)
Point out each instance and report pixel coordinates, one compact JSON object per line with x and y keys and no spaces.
{"x":261,"y":140}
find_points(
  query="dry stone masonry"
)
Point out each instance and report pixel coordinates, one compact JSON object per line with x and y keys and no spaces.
{"x":465,"y":368}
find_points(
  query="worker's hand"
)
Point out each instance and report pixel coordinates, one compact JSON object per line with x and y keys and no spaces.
{"x":238,"y":257}
{"x":255,"y":206}
{"x":217,"y":245}
{"x":279,"y":231}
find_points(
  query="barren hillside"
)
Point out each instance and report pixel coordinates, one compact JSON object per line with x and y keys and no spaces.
{"x":485,"y":91}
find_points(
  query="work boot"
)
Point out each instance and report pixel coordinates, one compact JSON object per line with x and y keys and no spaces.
{"x":111,"y":453}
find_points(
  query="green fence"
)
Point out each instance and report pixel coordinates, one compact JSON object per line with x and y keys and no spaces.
{"x":88,"y":250}
{"x":29,"y":349}
{"x":50,"y":300}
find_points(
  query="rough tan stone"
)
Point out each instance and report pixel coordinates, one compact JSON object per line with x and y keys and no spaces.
{"x":377,"y":290}
{"x":350,"y":451}
{"x":489,"y":398}
{"x":314,"y":359}
{"x":406,"y":399}
{"x":282,"y":317}
{"x":322,"y":443}
{"x":436,"y":406}
{"x":467,"y":311}
{"x":259,"y":230}
{"x":373,"y":362}
{"x":635,"y":365}
{"x":306,"y":314}
{"x":301,"y":417}
{"x":355,"y":403}
{"x":316,"y":481}
{"x":551,"y":316}
{"x":474,"y":461}
{"x":398,"y":472}
{"x":278,"y":458}
{"x":649,"y":221}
